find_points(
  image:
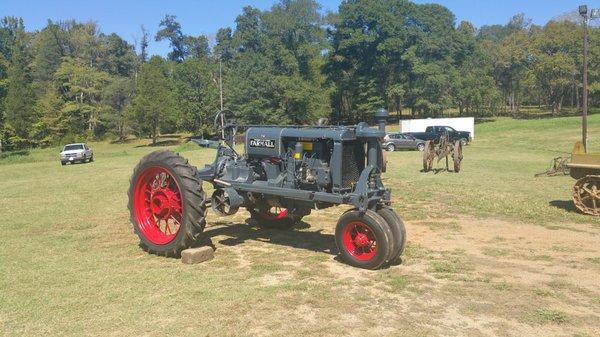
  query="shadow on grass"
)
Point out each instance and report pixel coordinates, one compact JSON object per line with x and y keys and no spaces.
{"x":123,"y":141}
{"x":168,"y":142}
{"x":14,"y":154}
{"x":481,"y":120}
{"x":238,"y":233}
{"x":566,"y":205}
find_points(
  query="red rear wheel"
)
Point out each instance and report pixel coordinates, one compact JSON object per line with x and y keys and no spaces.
{"x":157,"y":205}
{"x":274,"y":217}
{"x":274,"y":213}
{"x":166,"y":203}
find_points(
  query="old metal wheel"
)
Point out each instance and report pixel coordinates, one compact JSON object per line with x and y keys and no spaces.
{"x":457,"y":156}
{"x":428,"y":155}
{"x":586,"y":194}
{"x":166,"y":203}
{"x":363,"y":239}
{"x":391,"y":147}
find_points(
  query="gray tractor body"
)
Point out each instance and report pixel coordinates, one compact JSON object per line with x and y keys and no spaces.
{"x":301,"y":168}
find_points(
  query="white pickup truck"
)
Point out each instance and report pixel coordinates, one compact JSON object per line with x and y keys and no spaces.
{"x":78,"y":152}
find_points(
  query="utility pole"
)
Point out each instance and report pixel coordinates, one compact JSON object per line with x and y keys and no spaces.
{"x":584,"y":106}
{"x":221,"y":81}
{"x":595,"y":13}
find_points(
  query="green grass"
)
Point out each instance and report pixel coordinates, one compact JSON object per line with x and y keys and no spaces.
{"x":545,"y":316}
{"x":70,"y":265}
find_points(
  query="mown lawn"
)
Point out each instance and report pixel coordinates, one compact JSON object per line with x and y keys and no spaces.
{"x":491,"y":251}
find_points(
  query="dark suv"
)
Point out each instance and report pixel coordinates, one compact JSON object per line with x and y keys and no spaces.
{"x":435,"y":132}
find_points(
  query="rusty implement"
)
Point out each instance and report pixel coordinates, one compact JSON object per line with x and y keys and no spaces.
{"x":558,"y":166}
{"x":443,"y":148}
{"x":585,"y":167}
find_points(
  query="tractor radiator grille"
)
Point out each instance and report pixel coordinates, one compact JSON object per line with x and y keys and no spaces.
{"x":353,"y":162}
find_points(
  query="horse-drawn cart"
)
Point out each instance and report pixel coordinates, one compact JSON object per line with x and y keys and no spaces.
{"x":585,"y":167}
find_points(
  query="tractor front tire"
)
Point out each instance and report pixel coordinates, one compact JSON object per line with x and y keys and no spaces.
{"x":166,"y":203}
{"x":398,"y":232}
{"x":363,"y":240}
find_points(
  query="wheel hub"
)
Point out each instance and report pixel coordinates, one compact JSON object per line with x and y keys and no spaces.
{"x":361,"y":240}
{"x":163,"y":202}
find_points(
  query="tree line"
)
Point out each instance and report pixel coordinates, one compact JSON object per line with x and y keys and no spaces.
{"x":290,"y":64}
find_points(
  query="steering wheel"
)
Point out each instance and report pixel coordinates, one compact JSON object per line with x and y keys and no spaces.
{"x":225,"y":125}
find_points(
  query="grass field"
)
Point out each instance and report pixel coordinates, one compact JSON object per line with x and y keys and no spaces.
{"x":491,"y":251}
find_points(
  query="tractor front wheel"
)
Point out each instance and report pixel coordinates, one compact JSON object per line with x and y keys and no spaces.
{"x":166,"y":203}
{"x":398,"y":232}
{"x":363,"y":240}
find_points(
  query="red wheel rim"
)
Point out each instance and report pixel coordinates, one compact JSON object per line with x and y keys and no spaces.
{"x":274,"y":213}
{"x":157,"y":205}
{"x":359,"y":241}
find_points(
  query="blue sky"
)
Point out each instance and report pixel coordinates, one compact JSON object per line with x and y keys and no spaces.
{"x":125,"y":17}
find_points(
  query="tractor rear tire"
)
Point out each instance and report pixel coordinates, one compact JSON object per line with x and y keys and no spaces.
{"x":398,"y":232}
{"x":279,"y":218}
{"x":363,"y":240}
{"x":166,"y":203}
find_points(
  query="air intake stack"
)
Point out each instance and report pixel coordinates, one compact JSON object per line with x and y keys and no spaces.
{"x":380,"y":118}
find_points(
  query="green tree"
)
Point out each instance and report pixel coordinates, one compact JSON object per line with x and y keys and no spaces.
{"x":153,"y":104}
{"x":117,"y":97}
{"x":19,"y":95}
{"x":81,"y":89}
{"x":197,"y":94}
{"x":171,"y":30}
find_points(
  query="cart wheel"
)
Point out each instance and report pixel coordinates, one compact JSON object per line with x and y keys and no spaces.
{"x":428,"y":154}
{"x":398,"y":232}
{"x":457,"y":156}
{"x":363,"y":240}
{"x":274,"y":217}
{"x":166,"y":203}
{"x":586,"y":195}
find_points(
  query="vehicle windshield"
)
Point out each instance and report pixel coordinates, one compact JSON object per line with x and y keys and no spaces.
{"x":73,"y":147}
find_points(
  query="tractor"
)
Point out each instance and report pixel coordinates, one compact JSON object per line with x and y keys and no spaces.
{"x":284,"y":173}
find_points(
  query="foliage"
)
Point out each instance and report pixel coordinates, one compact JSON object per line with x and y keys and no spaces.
{"x":290,"y":64}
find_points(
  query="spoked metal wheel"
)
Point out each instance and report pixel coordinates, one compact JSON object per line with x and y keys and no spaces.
{"x":428,"y":156}
{"x":586,"y":195}
{"x":166,"y":203}
{"x":157,"y":205}
{"x":457,"y":156}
